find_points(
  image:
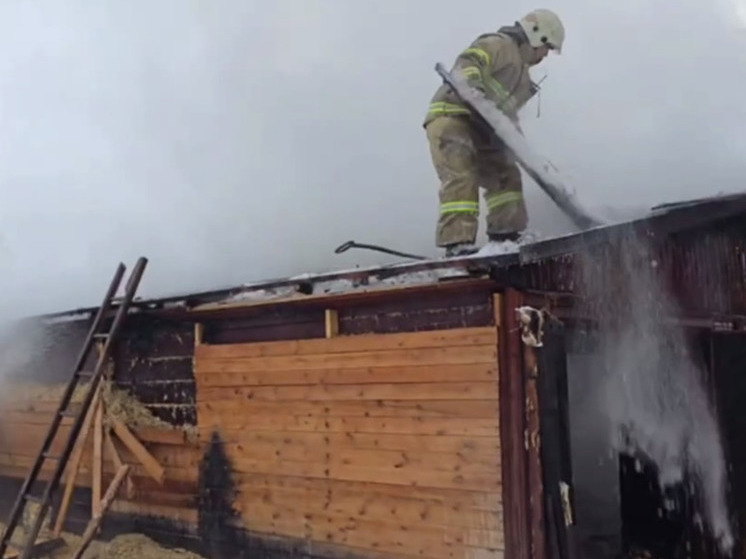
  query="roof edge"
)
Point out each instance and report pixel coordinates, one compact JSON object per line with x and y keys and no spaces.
{"x":305,"y":284}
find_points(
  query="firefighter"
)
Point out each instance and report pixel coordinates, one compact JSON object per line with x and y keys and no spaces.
{"x":466,"y":153}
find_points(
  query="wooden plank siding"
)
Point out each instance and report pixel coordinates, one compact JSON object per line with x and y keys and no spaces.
{"x":374,"y":443}
{"x":26,"y":419}
{"x":379,"y":436}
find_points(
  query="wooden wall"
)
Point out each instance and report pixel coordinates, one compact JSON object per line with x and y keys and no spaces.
{"x":382,"y":441}
{"x":27,"y":410}
{"x":152,"y":364}
{"x":374,"y":443}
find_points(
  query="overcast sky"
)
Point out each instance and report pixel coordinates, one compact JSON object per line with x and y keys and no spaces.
{"x":234,"y":140}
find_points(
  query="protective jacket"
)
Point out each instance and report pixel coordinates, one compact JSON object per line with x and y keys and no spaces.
{"x":497,"y":64}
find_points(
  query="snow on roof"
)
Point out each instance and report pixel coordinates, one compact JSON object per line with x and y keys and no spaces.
{"x":666,"y":218}
{"x":342,"y":285}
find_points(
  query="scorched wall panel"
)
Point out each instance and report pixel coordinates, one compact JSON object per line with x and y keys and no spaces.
{"x":153,"y":362}
{"x":376,"y":444}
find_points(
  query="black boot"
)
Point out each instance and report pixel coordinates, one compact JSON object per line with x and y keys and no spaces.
{"x":460,"y":249}
{"x":503,"y":237}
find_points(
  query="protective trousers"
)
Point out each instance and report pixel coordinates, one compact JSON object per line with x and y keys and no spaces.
{"x":465,"y":159}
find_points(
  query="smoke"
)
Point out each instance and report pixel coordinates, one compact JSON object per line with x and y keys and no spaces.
{"x":22,"y":343}
{"x":654,"y":393}
{"x":240,"y":140}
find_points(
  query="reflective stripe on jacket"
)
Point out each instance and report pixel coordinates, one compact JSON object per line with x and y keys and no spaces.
{"x":496,"y":65}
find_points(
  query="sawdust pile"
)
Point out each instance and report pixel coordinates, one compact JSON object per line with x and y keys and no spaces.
{"x":124,"y":546}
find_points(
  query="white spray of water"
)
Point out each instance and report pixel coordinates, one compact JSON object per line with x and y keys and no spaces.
{"x":654,"y":393}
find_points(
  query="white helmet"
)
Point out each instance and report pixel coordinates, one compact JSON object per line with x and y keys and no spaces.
{"x":543,"y":27}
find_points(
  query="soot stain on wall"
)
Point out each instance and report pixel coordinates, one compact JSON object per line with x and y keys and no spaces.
{"x":215,"y":495}
{"x":220,"y":530}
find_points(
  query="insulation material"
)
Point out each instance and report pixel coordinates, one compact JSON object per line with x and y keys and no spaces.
{"x":121,"y":405}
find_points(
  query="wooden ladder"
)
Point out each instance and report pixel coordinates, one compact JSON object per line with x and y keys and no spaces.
{"x":97,"y":333}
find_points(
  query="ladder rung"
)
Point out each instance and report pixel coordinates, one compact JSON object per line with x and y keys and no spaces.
{"x":33,"y":498}
{"x":101,"y":335}
{"x":49,"y":456}
{"x":69,"y":413}
{"x":85,"y":374}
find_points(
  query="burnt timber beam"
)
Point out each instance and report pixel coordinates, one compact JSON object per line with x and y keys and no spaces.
{"x":550,"y":369}
{"x":534,"y":446}
{"x":512,"y":429}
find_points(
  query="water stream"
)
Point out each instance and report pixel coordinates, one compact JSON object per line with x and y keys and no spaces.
{"x":653,"y":387}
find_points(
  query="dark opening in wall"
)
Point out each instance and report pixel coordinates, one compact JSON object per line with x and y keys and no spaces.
{"x":729,"y":379}
{"x":595,"y":465}
{"x":654,"y":521}
{"x":621,"y":509}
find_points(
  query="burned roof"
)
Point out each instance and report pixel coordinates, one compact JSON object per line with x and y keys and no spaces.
{"x":662,"y":221}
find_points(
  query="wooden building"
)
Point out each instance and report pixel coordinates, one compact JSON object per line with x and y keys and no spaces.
{"x":392,"y":412}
